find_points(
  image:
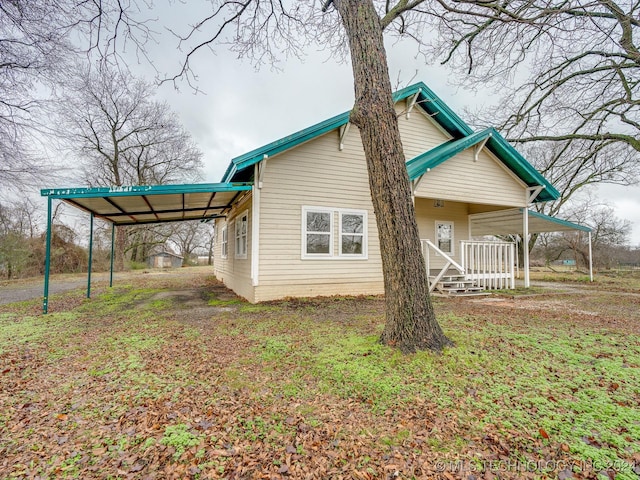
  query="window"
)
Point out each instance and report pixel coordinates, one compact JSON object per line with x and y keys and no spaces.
{"x":444,"y":236}
{"x":318,"y":225}
{"x":241,"y":235}
{"x":318,"y":232}
{"x":352,"y":233}
{"x":224,"y":244}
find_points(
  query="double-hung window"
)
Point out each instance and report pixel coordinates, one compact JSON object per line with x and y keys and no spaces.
{"x":319,"y":225}
{"x":242,"y":223}
{"x":352,"y":233}
{"x":224,"y":244}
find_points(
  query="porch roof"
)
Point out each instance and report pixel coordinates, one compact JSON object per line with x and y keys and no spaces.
{"x":510,"y":221}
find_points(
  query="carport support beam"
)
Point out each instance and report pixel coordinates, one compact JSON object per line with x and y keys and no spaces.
{"x":47,"y":260}
{"x":590,"y":259}
{"x":90,"y":256}
{"x":113,"y":242}
{"x":525,"y":246}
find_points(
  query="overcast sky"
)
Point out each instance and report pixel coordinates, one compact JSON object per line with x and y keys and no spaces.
{"x":242,"y":108}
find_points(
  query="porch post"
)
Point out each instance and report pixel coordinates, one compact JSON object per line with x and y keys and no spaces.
{"x":590,"y":259}
{"x":90,"y":256}
{"x":47,"y":259}
{"x":113,"y":242}
{"x":525,"y":247}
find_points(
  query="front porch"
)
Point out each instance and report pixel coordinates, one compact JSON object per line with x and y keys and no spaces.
{"x":480,"y":265}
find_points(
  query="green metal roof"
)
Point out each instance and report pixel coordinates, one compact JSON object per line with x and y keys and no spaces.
{"x":419,"y":165}
{"x":427,"y":100}
{"x":560,"y":224}
{"x":132,"y":205}
{"x":510,"y":221}
{"x":463,"y":137}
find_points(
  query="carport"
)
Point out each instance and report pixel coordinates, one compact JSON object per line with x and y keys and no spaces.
{"x":521,"y":221}
{"x":138,"y":205}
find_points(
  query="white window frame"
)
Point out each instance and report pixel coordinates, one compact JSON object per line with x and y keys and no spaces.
{"x":241,"y":239}
{"x":451,"y":224}
{"x":224,"y":242}
{"x":306,"y":210}
{"x":365,"y":223}
{"x":335,"y":228}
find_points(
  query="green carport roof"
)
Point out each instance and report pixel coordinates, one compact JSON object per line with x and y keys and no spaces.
{"x":134,"y":205}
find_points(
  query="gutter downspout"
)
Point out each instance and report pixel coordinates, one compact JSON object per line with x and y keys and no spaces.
{"x":258,"y":174}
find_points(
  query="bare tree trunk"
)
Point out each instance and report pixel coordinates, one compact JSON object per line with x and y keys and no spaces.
{"x":410,"y":320}
{"x":121,"y":237}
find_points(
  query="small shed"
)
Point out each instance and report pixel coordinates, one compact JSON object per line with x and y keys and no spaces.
{"x":164,"y":260}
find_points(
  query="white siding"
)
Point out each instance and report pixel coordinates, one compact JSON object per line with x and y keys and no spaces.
{"x":235,"y":273}
{"x":315,"y":174}
{"x":464,"y":180}
{"x":419,"y":132}
{"x":427,"y":215}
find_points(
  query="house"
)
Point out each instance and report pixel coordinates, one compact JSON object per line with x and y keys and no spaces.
{"x":307,"y":227}
{"x":164,"y":259}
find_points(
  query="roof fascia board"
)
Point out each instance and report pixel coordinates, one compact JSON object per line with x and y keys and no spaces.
{"x":436,"y":108}
{"x":138,"y":190}
{"x":516,"y":162}
{"x":290,"y":141}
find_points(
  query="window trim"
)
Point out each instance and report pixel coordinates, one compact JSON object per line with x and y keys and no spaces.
{"x":450,"y":223}
{"x":303,"y":245}
{"x":224,"y":241}
{"x":365,"y":240}
{"x":335,"y":228}
{"x":239,"y":237}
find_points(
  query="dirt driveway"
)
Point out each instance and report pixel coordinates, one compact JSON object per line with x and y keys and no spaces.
{"x":30,"y":288}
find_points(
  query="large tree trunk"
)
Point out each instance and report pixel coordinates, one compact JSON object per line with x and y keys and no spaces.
{"x":410,"y":320}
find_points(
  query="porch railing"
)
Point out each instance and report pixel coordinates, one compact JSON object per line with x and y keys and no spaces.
{"x":489,"y":264}
{"x":428,"y":245}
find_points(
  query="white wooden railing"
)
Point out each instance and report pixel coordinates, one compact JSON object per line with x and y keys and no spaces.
{"x":489,"y":264}
{"x":428,"y":245}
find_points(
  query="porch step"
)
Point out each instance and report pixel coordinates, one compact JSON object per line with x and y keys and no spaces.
{"x":464,"y":292}
{"x":458,"y":285}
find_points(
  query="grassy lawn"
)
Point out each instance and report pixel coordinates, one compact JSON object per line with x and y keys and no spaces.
{"x":160,"y":379}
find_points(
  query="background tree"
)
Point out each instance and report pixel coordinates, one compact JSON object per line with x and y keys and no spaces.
{"x":189,"y":238}
{"x":38,"y":40}
{"x":32,"y":45}
{"x":568,"y":73}
{"x":120,"y":136}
